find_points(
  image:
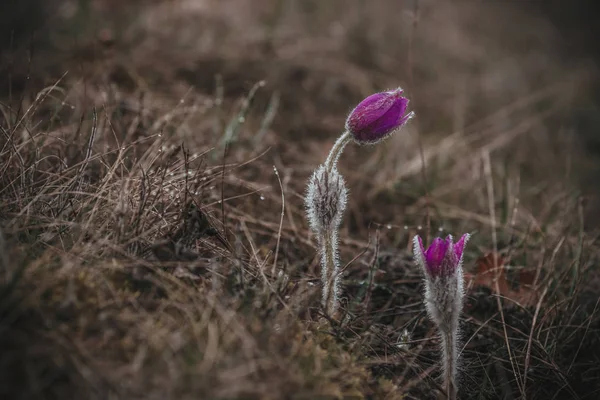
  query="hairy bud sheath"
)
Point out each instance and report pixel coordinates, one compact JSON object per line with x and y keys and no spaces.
{"x":325,"y":200}
{"x":378,"y":116}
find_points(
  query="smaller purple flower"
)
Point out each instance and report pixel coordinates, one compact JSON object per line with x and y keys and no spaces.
{"x":377,"y":116}
{"x":443,"y":257}
{"x":444,"y":293}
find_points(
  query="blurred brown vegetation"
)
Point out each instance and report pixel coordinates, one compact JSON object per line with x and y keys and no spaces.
{"x":144,"y":252}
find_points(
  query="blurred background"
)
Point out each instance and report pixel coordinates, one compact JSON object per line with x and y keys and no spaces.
{"x":521,"y":72}
{"x":505,"y":144}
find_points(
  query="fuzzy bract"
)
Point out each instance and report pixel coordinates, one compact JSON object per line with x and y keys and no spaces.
{"x":325,"y":200}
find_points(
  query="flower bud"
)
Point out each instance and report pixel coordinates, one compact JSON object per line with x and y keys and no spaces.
{"x":377,"y":116}
{"x":443,"y":257}
{"x":325,"y":200}
{"x":444,"y":285}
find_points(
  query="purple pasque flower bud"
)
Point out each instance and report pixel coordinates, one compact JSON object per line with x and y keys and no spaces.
{"x":444,"y":293}
{"x":377,"y":116}
{"x":444,"y":283}
{"x":443,"y":257}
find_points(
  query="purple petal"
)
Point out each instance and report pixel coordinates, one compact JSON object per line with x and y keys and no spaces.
{"x":391,"y":120}
{"x":459,"y":247}
{"x":377,"y":116}
{"x":376,"y":105}
{"x":435,"y":254}
{"x":405,"y":119}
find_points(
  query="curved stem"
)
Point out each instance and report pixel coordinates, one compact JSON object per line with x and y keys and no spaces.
{"x":336,"y":150}
{"x":329,"y":261}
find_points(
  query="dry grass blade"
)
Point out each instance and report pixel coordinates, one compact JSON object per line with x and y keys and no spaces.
{"x":497,"y":268}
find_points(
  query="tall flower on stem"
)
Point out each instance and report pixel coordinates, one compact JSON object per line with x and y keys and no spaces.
{"x":444,"y":292}
{"x":371,"y":121}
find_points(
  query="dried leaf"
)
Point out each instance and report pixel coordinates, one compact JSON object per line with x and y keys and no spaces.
{"x":491,"y":269}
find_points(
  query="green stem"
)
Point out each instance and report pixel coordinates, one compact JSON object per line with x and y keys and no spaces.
{"x":329,"y":273}
{"x":329,"y":266}
{"x":449,"y":343}
{"x":336,"y":150}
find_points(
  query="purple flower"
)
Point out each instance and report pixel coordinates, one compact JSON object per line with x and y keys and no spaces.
{"x":377,"y":116}
{"x":444,"y":294}
{"x":443,"y":257}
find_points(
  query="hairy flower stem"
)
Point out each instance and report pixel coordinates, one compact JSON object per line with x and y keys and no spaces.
{"x":371,"y":121}
{"x":336,"y":150}
{"x":329,"y":272}
{"x":449,"y":343}
{"x":444,"y":294}
{"x":328,"y":241}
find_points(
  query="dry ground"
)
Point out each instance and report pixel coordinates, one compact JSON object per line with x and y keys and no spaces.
{"x":154,"y":157}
